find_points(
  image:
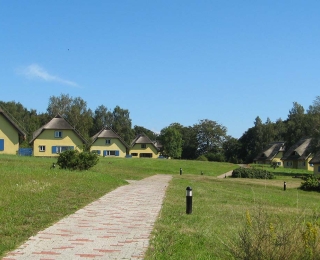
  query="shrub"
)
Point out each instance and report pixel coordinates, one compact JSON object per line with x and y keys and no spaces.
{"x":75,"y":160}
{"x":252,"y":173}
{"x":311,"y":183}
{"x":265,"y":236}
{"x":202,"y":158}
{"x":215,"y":157}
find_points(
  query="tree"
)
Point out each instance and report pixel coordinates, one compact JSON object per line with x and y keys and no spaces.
{"x":298,"y":125}
{"x":101,"y":118}
{"x":59,"y":105}
{"x":210,"y":136}
{"x":189,"y":145}
{"x":74,"y":110}
{"x":121,"y":123}
{"x":231,"y":149}
{"x":171,"y":140}
{"x":142,"y":130}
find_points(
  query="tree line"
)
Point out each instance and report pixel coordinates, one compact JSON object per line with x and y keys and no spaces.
{"x":205,"y":140}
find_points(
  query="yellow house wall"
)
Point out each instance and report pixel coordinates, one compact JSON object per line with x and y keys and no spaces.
{"x":277,"y":158}
{"x":69,"y":138}
{"x":115,"y":145}
{"x":305,"y":165}
{"x":288,"y":164}
{"x":316,"y":169}
{"x":149,"y":149}
{"x":10,"y":136}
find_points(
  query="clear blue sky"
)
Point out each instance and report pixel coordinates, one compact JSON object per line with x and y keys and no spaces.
{"x":164,"y":61}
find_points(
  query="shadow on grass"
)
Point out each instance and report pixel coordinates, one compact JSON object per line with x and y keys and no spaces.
{"x":292,"y":174}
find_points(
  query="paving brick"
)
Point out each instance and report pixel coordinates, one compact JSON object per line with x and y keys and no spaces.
{"x":116,"y":226}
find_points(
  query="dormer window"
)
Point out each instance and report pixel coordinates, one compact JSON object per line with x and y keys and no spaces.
{"x":143,"y":146}
{"x":58,"y":134}
{"x":108,"y":141}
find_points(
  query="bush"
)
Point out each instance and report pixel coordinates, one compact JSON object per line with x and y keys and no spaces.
{"x":264,"y":236}
{"x":202,"y":158}
{"x":252,"y":173}
{"x":311,"y":183}
{"x":75,"y":160}
{"x":215,"y":157}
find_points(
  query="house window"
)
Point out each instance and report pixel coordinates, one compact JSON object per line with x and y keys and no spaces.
{"x":146,"y":155}
{"x":58,"y":134}
{"x":1,"y":144}
{"x":143,"y":146}
{"x":279,"y":163}
{"x":111,"y":153}
{"x":108,"y":141}
{"x":134,"y":154}
{"x":96,"y":151}
{"x":60,"y":149}
{"x":318,"y":168}
{"x":42,"y":148}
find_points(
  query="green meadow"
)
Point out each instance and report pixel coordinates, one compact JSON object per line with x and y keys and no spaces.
{"x":33,"y":196}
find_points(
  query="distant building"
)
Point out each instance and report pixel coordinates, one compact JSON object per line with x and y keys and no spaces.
{"x":315,"y":161}
{"x":143,"y":147}
{"x":55,"y":137}
{"x":272,"y":154}
{"x":10,"y":134}
{"x":298,"y":156}
{"x":108,"y":143}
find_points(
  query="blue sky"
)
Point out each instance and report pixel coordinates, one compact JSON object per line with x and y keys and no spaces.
{"x":164,"y":61}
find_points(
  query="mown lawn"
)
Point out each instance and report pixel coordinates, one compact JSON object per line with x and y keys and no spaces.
{"x":33,"y":196}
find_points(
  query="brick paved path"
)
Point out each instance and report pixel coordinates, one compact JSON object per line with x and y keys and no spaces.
{"x":116,"y":226}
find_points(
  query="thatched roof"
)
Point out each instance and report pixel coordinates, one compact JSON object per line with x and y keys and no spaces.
{"x":143,"y":139}
{"x":271,"y":151}
{"x":299,"y":151}
{"x":11,"y":121}
{"x":107,"y":132}
{"x":315,"y":159}
{"x":56,"y":123}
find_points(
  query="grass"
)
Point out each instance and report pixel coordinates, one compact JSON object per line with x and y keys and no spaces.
{"x":33,"y":196}
{"x":219,"y":209}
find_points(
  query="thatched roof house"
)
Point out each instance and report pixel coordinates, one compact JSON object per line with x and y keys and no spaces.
{"x":273,"y":153}
{"x":298,"y":155}
{"x":108,"y":143}
{"x":57,"y":135}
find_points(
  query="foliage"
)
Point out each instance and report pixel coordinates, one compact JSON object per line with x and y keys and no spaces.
{"x":74,"y":110}
{"x":264,"y":236}
{"x":252,"y":173}
{"x":231,"y":148}
{"x":202,"y":158}
{"x":121,"y":124}
{"x":190,"y":145}
{"x":142,"y":130}
{"x":172,"y":142}
{"x":101,"y":118}
{"x":210,"y":136}
{"x":310,"y":183}
{"x":75,"y":160}
{"x":215,"y":157}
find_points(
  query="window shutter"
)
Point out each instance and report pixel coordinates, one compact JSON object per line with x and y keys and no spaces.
{"x":117,"y":153}
{"x":1,"y":144}
{"x":54,"y":149}
{"x":104,"y":153}
{"x":99,"y":152}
